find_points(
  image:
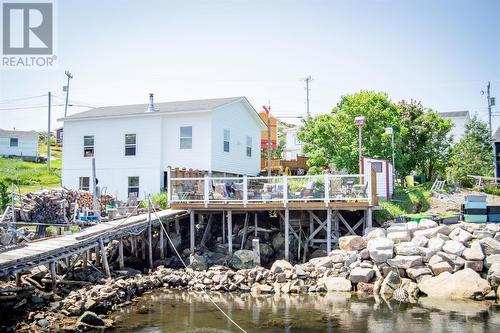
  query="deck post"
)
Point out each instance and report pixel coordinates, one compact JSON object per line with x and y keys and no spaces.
{"x":150,"y":235}
{"x":162,"y":242}
{"x":285,"y":190}
{"x":121,"y":262}
{"x":18,"y":280}
{"x":230,"y":231}
{"x":53,"y":276}
{"x":85,"y":258}
{"x":177,"y":226}
{"x":97,"y":256}
{"x":256,"y":251}
{"x":255,"y":222}
{"x":245,"y":229}
{"x":191,"y":230}
{"x":223,"y":227}
{"x":206,"y":190}
{"x":287,"y":234}
{"x":169,"y":186}
{"x":368,"y":218}
{"x":327,"y":190}
{"x":104,"y":258}
{"x":245,"y":190}
{"x":328,"y":230}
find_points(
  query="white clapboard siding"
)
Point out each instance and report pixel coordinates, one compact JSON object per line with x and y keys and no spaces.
{"x":385,"y":178}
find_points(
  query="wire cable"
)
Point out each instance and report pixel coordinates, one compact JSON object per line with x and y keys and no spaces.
{"x":6,"y":101}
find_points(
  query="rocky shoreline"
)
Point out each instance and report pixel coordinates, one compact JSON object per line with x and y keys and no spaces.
{"x":403,"y":262}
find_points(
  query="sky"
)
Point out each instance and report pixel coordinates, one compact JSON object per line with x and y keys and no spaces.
{"x":440,"y":52}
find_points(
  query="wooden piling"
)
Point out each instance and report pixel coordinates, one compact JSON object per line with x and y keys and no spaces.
{"x":162,"y":242}
{"x":104,"y":258}
{"x":256,"y":251}
{"x":150,"y":236}
{"x":191,"y":230}
{"x":97,"y":256}
{"x":230,"y":231}
{"x":287,"y":234}
{"x":255,"y":224}
{"x":121,"y":261}
{"x":53,"y":276}
{"x":328,"y":230}
{"x":245,"y":228}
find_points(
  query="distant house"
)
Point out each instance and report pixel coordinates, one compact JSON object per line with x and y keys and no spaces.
{"x":496,"y":146}
{"x":134,"y":145}
{"x":293,"y":147}
{"x":459,"y":119}
{"x":385,"y":175}
{"x":19,"y":143}
{"x":59,"y":136}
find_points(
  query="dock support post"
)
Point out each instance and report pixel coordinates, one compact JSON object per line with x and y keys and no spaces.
{"x":191,"y":230}
{"x":223,"y":227}
{"x":177,"y":226}
{"x":245,"y":229}
{"x":162,"y":242}
{"x":287,"y":234}
{"x":97,"y":256}
{"x":104,"y":258}
{"x":85,"y":258}
{"x":150,"y":235}
{"x":368,"y":218}
{"x":18,"y":280}
{"x":255,"y":223}
{"x":256,"y":251}
{"x":230,"y":231}
{"x":121,"y":262}
{"x":328,"y":230}
{"x":53,"y":276}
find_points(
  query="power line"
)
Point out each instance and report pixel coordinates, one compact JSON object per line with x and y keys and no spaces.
{"x":29,"y":107}
{"x":6,"y":101}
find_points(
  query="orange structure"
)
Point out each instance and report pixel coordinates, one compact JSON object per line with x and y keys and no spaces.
{"x":274,"y":131}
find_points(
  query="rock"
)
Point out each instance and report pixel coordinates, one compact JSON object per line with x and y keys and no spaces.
{"x":410,"y":287}
{"x":278,"y":241}
{"x":475,"y":265}
{"x":321,"y":262}
{"x":286,"y":288}
{"x":406,"y":249}
{"x":405,"y":262}
{"x":176,"y":240}
{"x":480,"y":234}
{"x":266,"y":251}
{"x":43,"y":323}
{"x":6,"y":238}
{"x":399,"y":236}
{"x":453,"y":247}
{"x":279,"y":266}
{"x":364,"y":254}
{"x":491,"y":259}
{"x":426,"y":253}
{"x":381,"y":249}
{"x":366,"y":288}
{"x":440,"y":267}
{"x":352,"y":243}
{"x":375,"y":233}
{"x":494,"y":276}
{"x":337,"y":284}
{"x":420,"y":241}
{"x":426,"y":224}
{"x":359,"y":274}
{"x":435,"y":244}
{"x":90,"y":319}
{"x":417,"y":272}
{"x":318,"y":253}
{"x":242,"y":259}
{"x":431,"y":232}
{"x":490,"y":246}
{"x":463,"y":284}
{"x":475,"y":252}
{"x":198,"y":263}
{"x":460,"y":235}
{"x":391,"y":282}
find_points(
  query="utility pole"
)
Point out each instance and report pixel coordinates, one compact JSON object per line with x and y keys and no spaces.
{"x":267,"y":109}
{"x":307,"y":80}
{"x":491,"y":102}
{"x":48,"y":135}
{"x":70,"y":76}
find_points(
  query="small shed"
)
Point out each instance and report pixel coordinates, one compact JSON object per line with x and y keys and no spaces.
{"x":385,"y":175}
{"x":19,"y":143}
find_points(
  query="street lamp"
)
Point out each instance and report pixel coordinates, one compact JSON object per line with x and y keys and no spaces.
{"x":390,"y":130}
{"x":360,"y":122}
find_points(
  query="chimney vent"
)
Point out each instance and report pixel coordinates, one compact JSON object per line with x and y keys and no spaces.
{"x":151,"y":106}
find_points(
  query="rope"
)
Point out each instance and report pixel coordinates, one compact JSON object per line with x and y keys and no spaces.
{"x":184,"y":264}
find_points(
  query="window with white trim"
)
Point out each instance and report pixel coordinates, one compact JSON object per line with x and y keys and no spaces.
{"x":14,"y":142}
{"x":88,"y":146}
{"x":130,"y":144}
{"x":227,"y":137}
{"x":377,"y":166}
{"x":84,"y":184}
{"x":186,"y":137}
{"x":249,"y":146}
{"x":133,"y":186}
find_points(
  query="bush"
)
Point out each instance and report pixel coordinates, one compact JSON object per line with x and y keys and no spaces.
{"x":4,"y":196}
{"x":404,"y":201}
{"x":158,"y":198}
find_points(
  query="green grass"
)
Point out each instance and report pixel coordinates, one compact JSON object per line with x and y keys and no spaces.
{"x":404,"y":201}
{"x":491,"y":190}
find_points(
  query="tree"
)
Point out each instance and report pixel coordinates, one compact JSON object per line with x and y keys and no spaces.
{"x":472,"y":154}
{"x":331,"y":140}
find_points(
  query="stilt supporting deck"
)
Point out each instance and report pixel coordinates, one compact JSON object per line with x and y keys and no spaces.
{"x":255,"y":223}
{"x":121,"y":261}
{"x":230,"y":231}
{"x":223,"y":227}
{"x":191,"y":230}
{"x":162,"y":242}
{"x":256,"y":251}
{"x":369,"y":217}
{"x":53,"y":276}
{"x":97,"y":256}
{"x":329,"y":230}
{"x":287,"y":234}
{"x":150,"y":236}
{"x":104,"y":258}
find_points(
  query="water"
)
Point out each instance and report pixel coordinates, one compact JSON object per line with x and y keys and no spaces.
{"x":182,"y":311}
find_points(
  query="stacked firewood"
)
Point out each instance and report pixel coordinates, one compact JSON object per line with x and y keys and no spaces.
{"x":85,"y":200}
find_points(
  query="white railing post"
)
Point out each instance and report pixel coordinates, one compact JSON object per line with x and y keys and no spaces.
{"x":206,"y":187}
{"x":245,"y":190}
{"x":285,"y":190}
{"x":368,"y":180}
{"x":170,"y":186}
{"x":327,"y":189}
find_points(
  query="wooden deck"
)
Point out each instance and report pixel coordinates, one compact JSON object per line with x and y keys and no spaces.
{"x":263,"y":206}
{"x":47,"y":250}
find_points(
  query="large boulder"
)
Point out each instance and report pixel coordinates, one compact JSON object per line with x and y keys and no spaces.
{"x":431,"y":232}
{"x":491,"y":259}
{"x":399,"y":236}
{"x":352,"y":243}
{"x":375,"y":233}
{"x":321,"y":262}
{"x":475,"y":252}
{"x":198,"y":263}
{"x":279,"y":266}
{"x":359,"y":274}
{"x":494,"y":275}
{"x":441,"y":267}
{"x":337,"y":284}
{"x":175,"y":240}
{"x":426,"y":224}
{"x":463,"y":284}
{"x":278,"y":241}
{"x":490,"y":246}
{"x":242,"y":259}
{"x":391,"y":282}
{"x":435,"y":243}
{"x":91,"y":320}
{"x":416,"y":273}
{"x":406,"y":249}
{"x":453,"y":247}
{"x":405,"y":262}
{"x":460,"y":235}
{"x":381,"y":249}
{"x":420,"y":241}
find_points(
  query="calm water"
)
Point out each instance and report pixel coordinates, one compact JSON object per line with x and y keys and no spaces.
{"x":180,"y":311}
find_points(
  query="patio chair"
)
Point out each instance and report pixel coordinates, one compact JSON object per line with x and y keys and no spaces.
{"x":220,"y":192}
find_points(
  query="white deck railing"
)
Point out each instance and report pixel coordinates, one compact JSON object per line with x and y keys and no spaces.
{"x":283,"y":189}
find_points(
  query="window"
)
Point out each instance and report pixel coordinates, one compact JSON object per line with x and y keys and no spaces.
{"x":377,"y":166}
{"x":14,"y":142}
{"x":130,"y":144}
{"x":249,"y":146}
{"x":133,"y":186}
{"x":84,"y":184}
{"x":186,"y":141}
{"x":88,"y":146}
{"x":226,"y":140}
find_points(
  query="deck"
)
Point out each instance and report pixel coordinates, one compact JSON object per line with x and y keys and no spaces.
{"x":48,"y":250}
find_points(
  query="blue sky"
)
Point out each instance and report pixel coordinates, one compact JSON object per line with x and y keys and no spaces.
{"x":439,"y":52}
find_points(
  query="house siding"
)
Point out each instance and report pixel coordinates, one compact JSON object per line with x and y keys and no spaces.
{"x":27,"y":145}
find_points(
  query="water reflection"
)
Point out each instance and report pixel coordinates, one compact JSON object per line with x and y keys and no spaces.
{"x":179,"y":311}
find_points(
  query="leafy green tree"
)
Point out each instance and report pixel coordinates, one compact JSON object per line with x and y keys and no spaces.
{"x":472,"y":154}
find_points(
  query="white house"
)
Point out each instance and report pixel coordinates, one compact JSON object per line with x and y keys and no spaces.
{"x":293,"y":145}
{"x":459,"y":119}
{"x":134,"y":145}
{"x":19,"y":143}
{"x":385,"y":175}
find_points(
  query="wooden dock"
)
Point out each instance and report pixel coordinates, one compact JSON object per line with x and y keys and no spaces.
{"x":51,"y":250}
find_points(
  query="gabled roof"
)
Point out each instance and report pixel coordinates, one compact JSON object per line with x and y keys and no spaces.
{"x":454,"y":114}
{"x":160,"y":108}
{"x":15,"y":133}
